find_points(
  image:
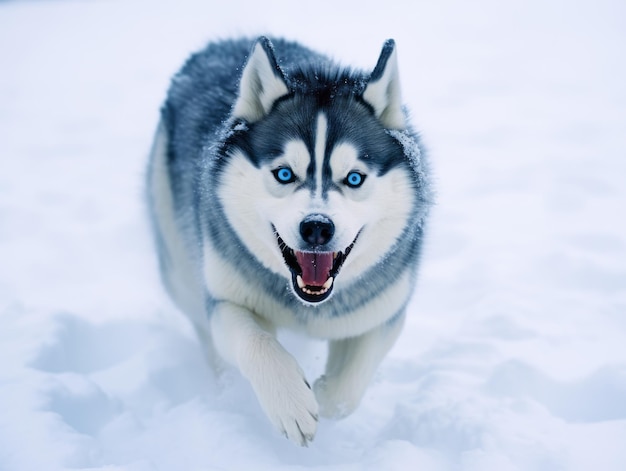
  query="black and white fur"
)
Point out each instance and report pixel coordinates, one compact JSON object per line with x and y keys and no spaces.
{"x":264,"y":162}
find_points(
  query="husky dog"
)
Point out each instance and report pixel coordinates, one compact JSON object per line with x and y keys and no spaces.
{"x":287,"y":192}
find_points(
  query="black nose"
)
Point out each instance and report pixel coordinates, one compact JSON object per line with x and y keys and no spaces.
{"x":317,"y":229}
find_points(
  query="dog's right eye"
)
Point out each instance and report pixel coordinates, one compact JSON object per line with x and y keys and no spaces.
{"x":284,"y":175}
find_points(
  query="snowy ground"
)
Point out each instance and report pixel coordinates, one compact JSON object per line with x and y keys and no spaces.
{"x":514,"y":356}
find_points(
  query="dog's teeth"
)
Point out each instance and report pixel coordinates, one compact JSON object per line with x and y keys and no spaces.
{"x":318,"y":292}
{"x":328,"y":284}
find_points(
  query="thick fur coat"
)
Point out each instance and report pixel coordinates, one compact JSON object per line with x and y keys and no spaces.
{"x":288,"y":192}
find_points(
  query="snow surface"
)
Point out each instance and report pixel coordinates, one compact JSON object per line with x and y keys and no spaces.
{"x":514,"y":354}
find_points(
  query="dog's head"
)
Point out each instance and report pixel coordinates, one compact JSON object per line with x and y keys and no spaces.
{"x":318,"y":186}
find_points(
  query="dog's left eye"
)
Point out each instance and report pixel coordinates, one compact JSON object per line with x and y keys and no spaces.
{"x":354,"y":179}
{"x":284,"y":175}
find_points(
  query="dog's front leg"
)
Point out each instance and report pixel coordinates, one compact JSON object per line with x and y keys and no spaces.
{"x":248,"y":342}
{"x":350,"y":366}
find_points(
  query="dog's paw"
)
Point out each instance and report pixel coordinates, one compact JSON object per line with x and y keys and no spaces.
{"x":296,"y":415}
{"x":284,"y":393}
{"x":335,"y":398}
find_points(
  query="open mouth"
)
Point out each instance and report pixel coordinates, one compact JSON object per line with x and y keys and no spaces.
{"x":313,"y":273}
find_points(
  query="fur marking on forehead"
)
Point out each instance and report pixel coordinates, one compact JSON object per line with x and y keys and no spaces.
{"x":321,"y":134}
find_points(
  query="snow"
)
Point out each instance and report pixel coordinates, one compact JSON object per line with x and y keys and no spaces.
{"x":514,"y":354}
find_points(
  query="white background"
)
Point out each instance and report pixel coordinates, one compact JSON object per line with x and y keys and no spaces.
{"x":514,"y":354}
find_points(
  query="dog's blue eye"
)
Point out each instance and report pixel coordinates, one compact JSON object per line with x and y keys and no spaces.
{"x":284,"y":175}
{"x":354,"y":179}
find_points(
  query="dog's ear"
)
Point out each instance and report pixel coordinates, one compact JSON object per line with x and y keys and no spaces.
{"x":383,"y":89}
{"x":262,"y":83}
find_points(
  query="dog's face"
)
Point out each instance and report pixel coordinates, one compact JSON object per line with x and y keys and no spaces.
{"x":317,"y":189}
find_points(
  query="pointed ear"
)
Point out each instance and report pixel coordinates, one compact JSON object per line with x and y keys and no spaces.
{"x":383,"y":90}
{"x":262,"y":83}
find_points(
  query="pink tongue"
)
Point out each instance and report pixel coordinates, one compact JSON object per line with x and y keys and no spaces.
{"x":315,"y":266}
